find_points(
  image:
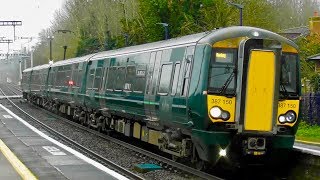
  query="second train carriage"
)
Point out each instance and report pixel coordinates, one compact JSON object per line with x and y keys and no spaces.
{"x":233,"y":90}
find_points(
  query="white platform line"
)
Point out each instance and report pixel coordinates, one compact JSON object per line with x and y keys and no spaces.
{"x":15,"y":96}
{"x":72,"y":151}
{"x":307,"y":150}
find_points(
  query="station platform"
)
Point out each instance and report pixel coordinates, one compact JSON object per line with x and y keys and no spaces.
{"x":27,"y":153}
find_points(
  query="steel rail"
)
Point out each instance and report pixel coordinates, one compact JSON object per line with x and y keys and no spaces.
{"x":16,"y":87}
{"x":81,"y":148}
{"x":14,"y":92}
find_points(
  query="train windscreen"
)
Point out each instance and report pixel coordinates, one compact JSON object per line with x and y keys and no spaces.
{"x":222,"y":72}
{"x":288,"y":76}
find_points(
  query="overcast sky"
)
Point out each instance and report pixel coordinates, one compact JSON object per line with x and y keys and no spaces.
{"x":34,"y":14}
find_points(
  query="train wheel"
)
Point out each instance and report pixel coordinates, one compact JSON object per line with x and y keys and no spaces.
{"x":82,"y":120}
{"x":198,"y":163}
{"x":103,"y":125}
{"x":201,"y":165}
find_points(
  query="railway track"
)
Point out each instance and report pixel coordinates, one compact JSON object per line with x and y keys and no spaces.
{"x":15,"y":89}
{"x":165,"y":162}
{"x":10,"y":90}
{"x":79,"y":147}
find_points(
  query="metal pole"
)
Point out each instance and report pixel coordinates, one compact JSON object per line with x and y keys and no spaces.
{"x":126,"y":37}
{"x":20,"y":71}
{"x":240,"y":7}
{"x":241,"y":16}
{"x":50,"y":48}
{"x":31,"y":59}
{"x":64,"y":52}
{"x":25,"y":64}
{"x":8,"y":51}
{"x":14,"y":32}
{"x":166,"y":32}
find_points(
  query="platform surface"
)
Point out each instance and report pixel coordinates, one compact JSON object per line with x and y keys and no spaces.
{"x":6,"y":170}
{"x":45,"y":158}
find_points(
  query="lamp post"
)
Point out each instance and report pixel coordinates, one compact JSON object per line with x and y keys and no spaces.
{"x":126,"y":38}
{"x":31,"y":57}
{"x":240,"y":7}
{"x":25,"y":51}
{"x":64,"y":31}
{"x":166,"y":30}
{"x":50,"y":46}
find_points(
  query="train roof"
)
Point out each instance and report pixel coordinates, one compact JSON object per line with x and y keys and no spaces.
{"x":27,"y":70}
{"x":202,"y":38}
{"x":244,"y":31}
{"x":184,"y":40}
{"x":72,"y":60}
{"x":44,"y":66}
{"x":208,"y":37}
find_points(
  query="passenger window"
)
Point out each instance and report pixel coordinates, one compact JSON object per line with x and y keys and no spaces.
{"x":97,"y":79}
{"x":79,"y":78}
{"x":90,"y":79}
{"x":186,"y":79}
{"x":140,"y":81}
{"x":156,"y":72}
{"x":120,"y":79}
{"x":51,"y":79}
{"x":150,"y":73}
{"x":111,"y":77}
{"x":131,"y":76}
{"x":175,"y":78}
{"x":165,"y":78}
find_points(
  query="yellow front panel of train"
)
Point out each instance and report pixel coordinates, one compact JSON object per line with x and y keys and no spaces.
{"x":260,"y":91}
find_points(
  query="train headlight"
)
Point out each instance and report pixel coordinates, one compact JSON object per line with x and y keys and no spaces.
{"x":255,"y":33}
{"x":288,"y":117}
{"x":225,"y":115}
{"x":291,"y":116}
{"x":218,"y":113}
{"x":215,"y":112}
{"x":282,"y":119}
{"x":223,"y":152}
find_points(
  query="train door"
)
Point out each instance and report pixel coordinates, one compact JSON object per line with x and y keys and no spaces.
{"x":151,"y":101}
{"x":180,"y":84}
{"x":185,"y":84}
{"x":259,"y":95}
{"x":90,"y":92}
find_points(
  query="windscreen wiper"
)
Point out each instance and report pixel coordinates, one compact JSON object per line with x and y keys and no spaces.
{"x":283,"y":90}
{"x":228,"y":81}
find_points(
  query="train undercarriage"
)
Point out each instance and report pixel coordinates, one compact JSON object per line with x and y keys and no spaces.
{"x":240,"y":150}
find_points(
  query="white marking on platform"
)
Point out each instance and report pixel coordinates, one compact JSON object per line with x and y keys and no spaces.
{"x":307,"y":150}
{"x":7,"y":116}
{"x":15,"y":96}
{"x":72,"y":151}
{"x":54,"y":151}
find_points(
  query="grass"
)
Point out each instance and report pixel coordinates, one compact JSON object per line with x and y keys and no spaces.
{"x":308,"y":132}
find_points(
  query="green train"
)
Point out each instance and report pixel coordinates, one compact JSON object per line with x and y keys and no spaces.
{"x":229,"y":93}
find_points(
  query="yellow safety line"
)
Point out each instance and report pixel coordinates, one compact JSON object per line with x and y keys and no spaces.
{"x":308,"y":142}
{"x":23,"y":171}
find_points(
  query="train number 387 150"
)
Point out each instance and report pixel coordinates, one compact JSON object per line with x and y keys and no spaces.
{"x":286,"y":105}
{"x":221,"y":101}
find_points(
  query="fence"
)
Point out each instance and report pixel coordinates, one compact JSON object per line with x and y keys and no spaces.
{"x":310,"y":109}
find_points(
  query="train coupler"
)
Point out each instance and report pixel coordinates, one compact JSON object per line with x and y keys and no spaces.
{"x":254,"y":146}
